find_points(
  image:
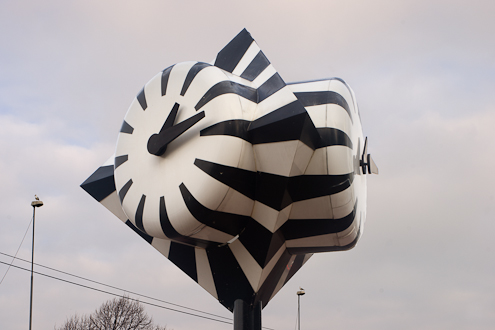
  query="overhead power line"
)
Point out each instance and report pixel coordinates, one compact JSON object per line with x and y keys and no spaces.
{"x":114,"y":294}
{"x":118,"y":295}
{"x":117,"y":288}
{"x":15,"y":256}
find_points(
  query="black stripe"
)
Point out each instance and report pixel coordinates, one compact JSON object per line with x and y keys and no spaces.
{"x":227,"y":87}
{"x":303,"y":187}
{"x":124,"y":190}
{"x":228,"y":58}
{"x":260,"y":242}
{"x":272,"y":190}
{"x":230,"y":281}
{"x":119,"y":160}
{"x":196,"y":68}
{"x":316,"y":249}
{"x":270,"y":284}
{"x":139,"y":214}
{"x":142,"y":99}
{"x":259,"y":63}
{"x":234,"y":127}
{"x":184,"y":257}
{"x":101,"y":183}
{"x":276,"y":191}
{"x":238,"y":179}
{"x":167,"y":227}
{"x":229,"y":223}
{"x":333,"y":137}
{"x":170,"y":231}
{"x":323,"y":97}
{"x":276,"y":127}
{"x":290,"y":122}
{"x":302,"y":228}
{"x":165,"y":76}
{"x":144,"y":236}
{"x":269,"y":87}
{"x":239,"y":128}
{"x":126,"y":128}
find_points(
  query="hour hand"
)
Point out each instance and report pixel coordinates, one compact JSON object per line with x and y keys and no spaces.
{"x":157,"y":143}
{"x":169,"y":122}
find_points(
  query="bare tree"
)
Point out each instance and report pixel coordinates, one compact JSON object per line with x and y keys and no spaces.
{"x":116,"y":314}
{"x":76,"y":323}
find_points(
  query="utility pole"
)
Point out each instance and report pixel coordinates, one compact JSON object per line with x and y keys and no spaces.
{"x":299,"y":294}
{"x":34,"y":204}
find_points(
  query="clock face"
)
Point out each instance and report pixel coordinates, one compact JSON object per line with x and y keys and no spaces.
{"x":236,"y":176}
{"x":155,"y":186}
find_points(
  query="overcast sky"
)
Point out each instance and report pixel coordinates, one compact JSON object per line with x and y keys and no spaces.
{"x":424,"y":76}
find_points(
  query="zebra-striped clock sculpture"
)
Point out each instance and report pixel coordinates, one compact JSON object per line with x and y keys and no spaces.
{"x":237,"y":177}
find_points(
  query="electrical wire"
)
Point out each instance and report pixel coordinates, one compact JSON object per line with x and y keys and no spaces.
{"x":117,"y":295}
{"x":14,"y":257}
{"x":120,"y":289}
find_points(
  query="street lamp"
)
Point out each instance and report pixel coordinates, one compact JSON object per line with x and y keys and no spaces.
{"x":34,"y":204}
{"x":299,"y":294}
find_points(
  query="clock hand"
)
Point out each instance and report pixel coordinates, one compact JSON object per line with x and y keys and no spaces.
{"x":169,"y":122}
{"x":157,"y":143}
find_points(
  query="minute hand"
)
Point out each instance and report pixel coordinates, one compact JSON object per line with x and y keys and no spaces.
{"x":157,"y":143}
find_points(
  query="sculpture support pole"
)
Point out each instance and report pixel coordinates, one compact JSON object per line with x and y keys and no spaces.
{"x":245,"y":317}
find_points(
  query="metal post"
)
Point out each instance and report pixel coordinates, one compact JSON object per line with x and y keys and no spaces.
{"x":247,"y":317}
{"x":256,"y":316}
{"x":298,"y":312}
{"x":299,"y":294}
{"x":34,"y":204}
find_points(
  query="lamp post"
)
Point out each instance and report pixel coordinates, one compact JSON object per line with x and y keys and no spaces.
{"x":299,"y":294}
{"x":34,"y":204}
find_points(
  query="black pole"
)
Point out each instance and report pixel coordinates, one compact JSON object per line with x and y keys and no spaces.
{"x":32,"y":263}
{"x":247,"y":317}
{"x":34,"y":204}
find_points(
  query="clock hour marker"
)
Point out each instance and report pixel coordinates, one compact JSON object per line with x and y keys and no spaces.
{"x":167,"y":228}
{"x":126,"y":128}
{"x":139,"y":214}
{"x":191,"y":74}
{"x":124,"y":190}
{"x":229,"y":223}
{"x":165,"y":75}
{"x":170,"y":231}
{"x":119,"y":160}
{"x":142,"y":99}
